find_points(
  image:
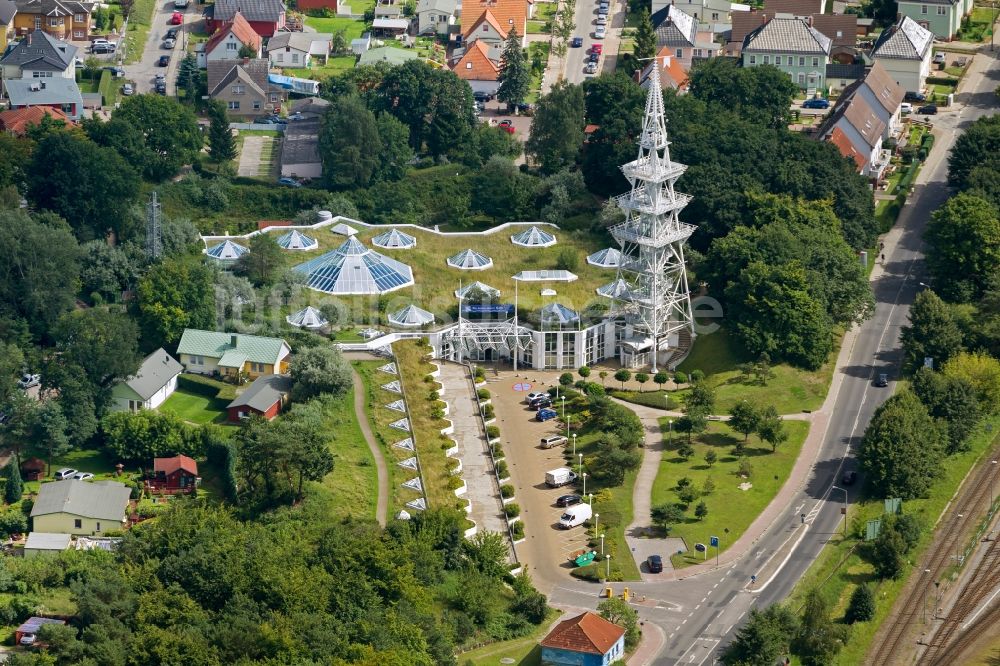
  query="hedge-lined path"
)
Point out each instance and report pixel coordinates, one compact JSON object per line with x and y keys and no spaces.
{"x":366,"y":429}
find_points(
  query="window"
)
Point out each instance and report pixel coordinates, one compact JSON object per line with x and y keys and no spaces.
{"x":486,"y":28}
{"x":697,"y":53}
{"x":77,"y":523}
{"x":815,"y":62}
{"x":78,"y":34}
{"x":715,"y":16}
{"x":197,"y":360}
{"x":679,"y":53}
{"x":753,"y":60}
{"x":840,"y":33}
{"x":940,"y":11}
{"x":790,"y":61}
{"x":802,"y":61}
{"x":468,"y":65}
{"x":802,"y":78}
{"x":295,"y":57}
{"x":274,"y":98}
{"x":98,"y":527}
{"x":230,"y":46}
{"x":38,"y":23}
{"x":78,"y":18}
{"x":134,"y":405}
{"x":41,"y":75}
{"x":923,"y":9}
{"x":234,"y":106}
{"x":256,"y":104}
{"x":767,"y":60}
{"x":239,"y":89}
{"x":53,"y":21}
{"x":280,"y":58}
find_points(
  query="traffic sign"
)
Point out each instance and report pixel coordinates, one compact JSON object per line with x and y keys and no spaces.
{"x":700,"y":547}
{"x":713,"y":542}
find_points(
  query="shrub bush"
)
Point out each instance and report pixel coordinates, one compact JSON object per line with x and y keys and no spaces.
{"x":492,"y":432}
{"x":433,"y":395}
{"x":506,"y":490}
{"x":680,"y":377}
{"x":483,"y":394}
{"x":513,"y":510}
{"x":454,"y":482}
{"x":517,"y":530}
{"x":488,"y":411}
{"x":502,"y":470}
{"x":437,"y":413}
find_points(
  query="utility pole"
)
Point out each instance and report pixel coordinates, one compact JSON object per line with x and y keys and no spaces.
{"x":154,"y":241}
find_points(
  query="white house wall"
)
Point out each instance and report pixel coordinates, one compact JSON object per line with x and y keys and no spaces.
{"x":909,"y":74}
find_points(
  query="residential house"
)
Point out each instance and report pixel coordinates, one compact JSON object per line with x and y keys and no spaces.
{"x":436,"y":17}
{"x":39,"y":56}
{"x":45,"y":543}
{"x":388,"y":9}
{"x":793,"y":46}
{"x":387,"y":26}
{"x":233,"y":37}
{"x":842,"y":29}
{"x":713,"y":16}
{"x":306,"y":5}
{"x":81,"y":507}
{"x":585,"y":640}
{"x":492,"y":20}
{"x":310,"y":107}
{"x":266,"y":17}
{"x":884,"y":96}
{"x":743,"y":24}
{"x":178,"y":474}
{"x":839,"y":77}
{"x":8,"y":9}
{"x":388,"y":54}
{"x":800,"y":8}
{"x":679,"y":33}
{"x":479,"y":66}
{"x":18,"y":121}
{"x":904,"y":49}
{"x":61,"y":94}
{"x":232,"y":354}
{"x":857,"y":132}
{"x":150,"y":386}
{"x":266,"y":397}
{"x":673,"y":75}
{"x":300,"y":149}
{"x":297,"y":49}
{"x":243,"y":86}
{"x":941,"y":17}
{"x":63,"y":19}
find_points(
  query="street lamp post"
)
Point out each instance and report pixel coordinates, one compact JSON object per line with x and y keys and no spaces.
{"x":574,"y":443}
{"x":580,"y":465}
{"x":607,"y":577}
{"x":597,"y":516}
{"x":591,"y":497}
{"x":666,"y":402}
{"x":845,"y":506}
{"x":584,"y":483}
{"x":670,"y":426}
{"x":602,"y":544}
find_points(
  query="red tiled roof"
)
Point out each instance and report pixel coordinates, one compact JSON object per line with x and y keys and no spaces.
{"x":831,"y":24}
{"x":488,"y":17}
{"x":16,"y":121}
{"x":587,"y":632}
{"x":505,"y":14}
{"x":170,"y":465}
{"x":846,"y":148}
{"x":475,"y":64}
{"x":241,"y":29}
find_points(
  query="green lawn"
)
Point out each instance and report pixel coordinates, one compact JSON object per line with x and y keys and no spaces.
{"x":524,"y":651}
{"x":544,"y":12}
{"x":195,"y":407}
{"x":840,"y":568}
{"x":353,"y":483}
{"x":335,"y":65}
{"x":789,"y":390}
{"x":977,"y":27}
{"x":535,"y":86}
{"x":353,"y":28}
{"x":82,"y":460}
{"x":728,"y":506}
{"x":379,"y":419}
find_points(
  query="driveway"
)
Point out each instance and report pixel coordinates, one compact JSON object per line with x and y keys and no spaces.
{"x":144,"y":72}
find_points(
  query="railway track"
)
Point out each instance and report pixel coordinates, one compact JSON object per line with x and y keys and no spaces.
{"x":958,"y":523}
{"x":985,"y":625}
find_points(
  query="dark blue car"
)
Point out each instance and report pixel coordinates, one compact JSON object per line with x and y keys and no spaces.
{"x":577,"y":42}
{"x":817,"y":103}
{"x":545,"y":414}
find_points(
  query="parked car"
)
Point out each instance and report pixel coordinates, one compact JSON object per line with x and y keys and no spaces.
{"x":849,"y":478}
{"x":905,"y":107}
{"x":65,"y":473}
{"x":603,"y":11}
{"x":163,"y":61}
{"x":176,"y":18}
{"x":180,"y":4}
{"x":545,"y":414}
{"x":602,"y":19}
{"x":939,"y":58}
{"x":296,"y":116}
{"x":600,"y":32}
{"x":102,"y":48}
{"x":928,"y":110}
{"x":882,"y":381}
{"x":171,"y":33}
{"x":116,"y":71}
{"x":594,"y":57}
{"x":98,"y":41}
{"x":655,"y":564}
{"x":28,"y":380}
{"x":161,"y":87}
{"x":541,"y":404}
{"x":290,"y":182}
{"x":83,"y":476}
{"x":553,"y":440}
{"x":591,"y":68}
{"x":169,"y":43}
{"x":597,"y":48}
{"x":816,"y":103}
{"x":77,"y":63}
{"x":524,"y":109}
{"x":128,"y":90}
{"x":507,"y":126}
{"x":482,"y":96}
{"x":568,"y":500}
{"x":534,"y":396}
{"x":560,"y":476}
{"x":914,"y":97}
{"x":575,"y":515}
{"x":577,"y":42}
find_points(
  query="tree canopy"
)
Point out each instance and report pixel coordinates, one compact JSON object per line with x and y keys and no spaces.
{"x":557,"y":128}
{"x":514,"y":76}
{"x":319,"y":370}
{"x":963,"y":246}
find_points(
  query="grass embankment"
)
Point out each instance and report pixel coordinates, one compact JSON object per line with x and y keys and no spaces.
{"x":379,"y":418}
{"x":524,"y":651}
{"x":353,"y":483}
{"x":425,"y":426}
{"x":729,"y":507}
{"x":840,"y":567}
{"x":139,"y":24}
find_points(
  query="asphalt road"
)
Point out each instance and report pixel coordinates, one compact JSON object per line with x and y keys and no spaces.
{"x":585,"y":19}
{"x":144,"y":71}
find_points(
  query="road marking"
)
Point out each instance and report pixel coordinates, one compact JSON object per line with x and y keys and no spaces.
{"x":759,"y":589}
{"x":703,"y":598}
{"x":684,"y":622}
{"x":715,"y":586}
{"x":697,"y":607}
{"x":691,"y":613}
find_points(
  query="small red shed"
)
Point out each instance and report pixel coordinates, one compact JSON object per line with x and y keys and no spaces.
{"x":33,"y":469}
{"x":179,"y":473}
{"x":267,"y":396}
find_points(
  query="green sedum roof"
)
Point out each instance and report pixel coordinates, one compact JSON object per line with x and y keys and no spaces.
{"x":215,"y":344}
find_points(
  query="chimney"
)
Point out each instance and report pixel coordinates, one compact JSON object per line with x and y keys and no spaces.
{"x":810,"y":18}
{"x":233,"y":338}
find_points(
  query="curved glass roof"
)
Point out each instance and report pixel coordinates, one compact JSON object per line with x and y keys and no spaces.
{"x":355,"y":269}
{"x":296,"y":240}
{"x":411,"y":315}
{"x":394,"y":239}
{"x":533,"y":237}
{"x":607,"y":258}
{"x":470,"y":260}
{"x":226,"y":251}
{"x":308,"y":317}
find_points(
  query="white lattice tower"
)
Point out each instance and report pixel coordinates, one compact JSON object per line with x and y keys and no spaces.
{"x":652,"y":237}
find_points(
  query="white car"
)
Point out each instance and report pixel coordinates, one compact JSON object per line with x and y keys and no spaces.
{"x":535,"y":396}
{"x":906,"y":107}
{"x":28,"y":380}
{"x":83,"y":476}
{"x":169,"y":43}
{"x":602,"y":20}
{"x":600,"y":32}
{"x":65,"y":473}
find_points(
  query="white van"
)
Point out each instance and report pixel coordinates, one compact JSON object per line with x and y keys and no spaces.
{"x":575,"y":515}
{"x":553,"y":440}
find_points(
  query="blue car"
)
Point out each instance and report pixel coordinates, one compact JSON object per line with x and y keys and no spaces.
{"x":545,"y":414}
{"x":577,"y":42}
{"x":289,"y":182}
{"x":817,"y":103}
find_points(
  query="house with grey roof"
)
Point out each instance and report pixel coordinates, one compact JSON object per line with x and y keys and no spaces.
{"x":267,"y":397}
{"x":8,"y":10}
{"x":904,"y":49}
{"x":81,"y":507}
{"x":45,"y":543}
{"x":300,"y":150}
{"x":436,"y":17}
{"x":941,"y":17}
{"x":155,"y":380}
{"x":297,"y":49}
{"x":681,"y":35}
{"x":232,"y":355}
{"x":39,"y":55}
{"x":243,"y":86}
{"x":54,"y":93}
{"x":793,"y":46}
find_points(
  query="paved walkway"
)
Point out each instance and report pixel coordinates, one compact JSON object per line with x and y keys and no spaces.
{"x":477,"y":469}
{"x":383,"y":474}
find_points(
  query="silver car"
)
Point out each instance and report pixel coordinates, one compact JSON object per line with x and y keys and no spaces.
{"x":169,"y":43}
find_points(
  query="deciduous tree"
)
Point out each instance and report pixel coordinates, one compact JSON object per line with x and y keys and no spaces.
{"x":557,"y":128}
{"x":763,"y":639}
{"x":963,"y":246}
{"x":349,"y":144}
{"x":262,"y":263}
{"x":621,"y":613}
{"x":173,"y":295}
{"x":744,"y":418}
{"x":771,"y":428}
{"x":319,"y":370}
{"x":104,"y":342}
